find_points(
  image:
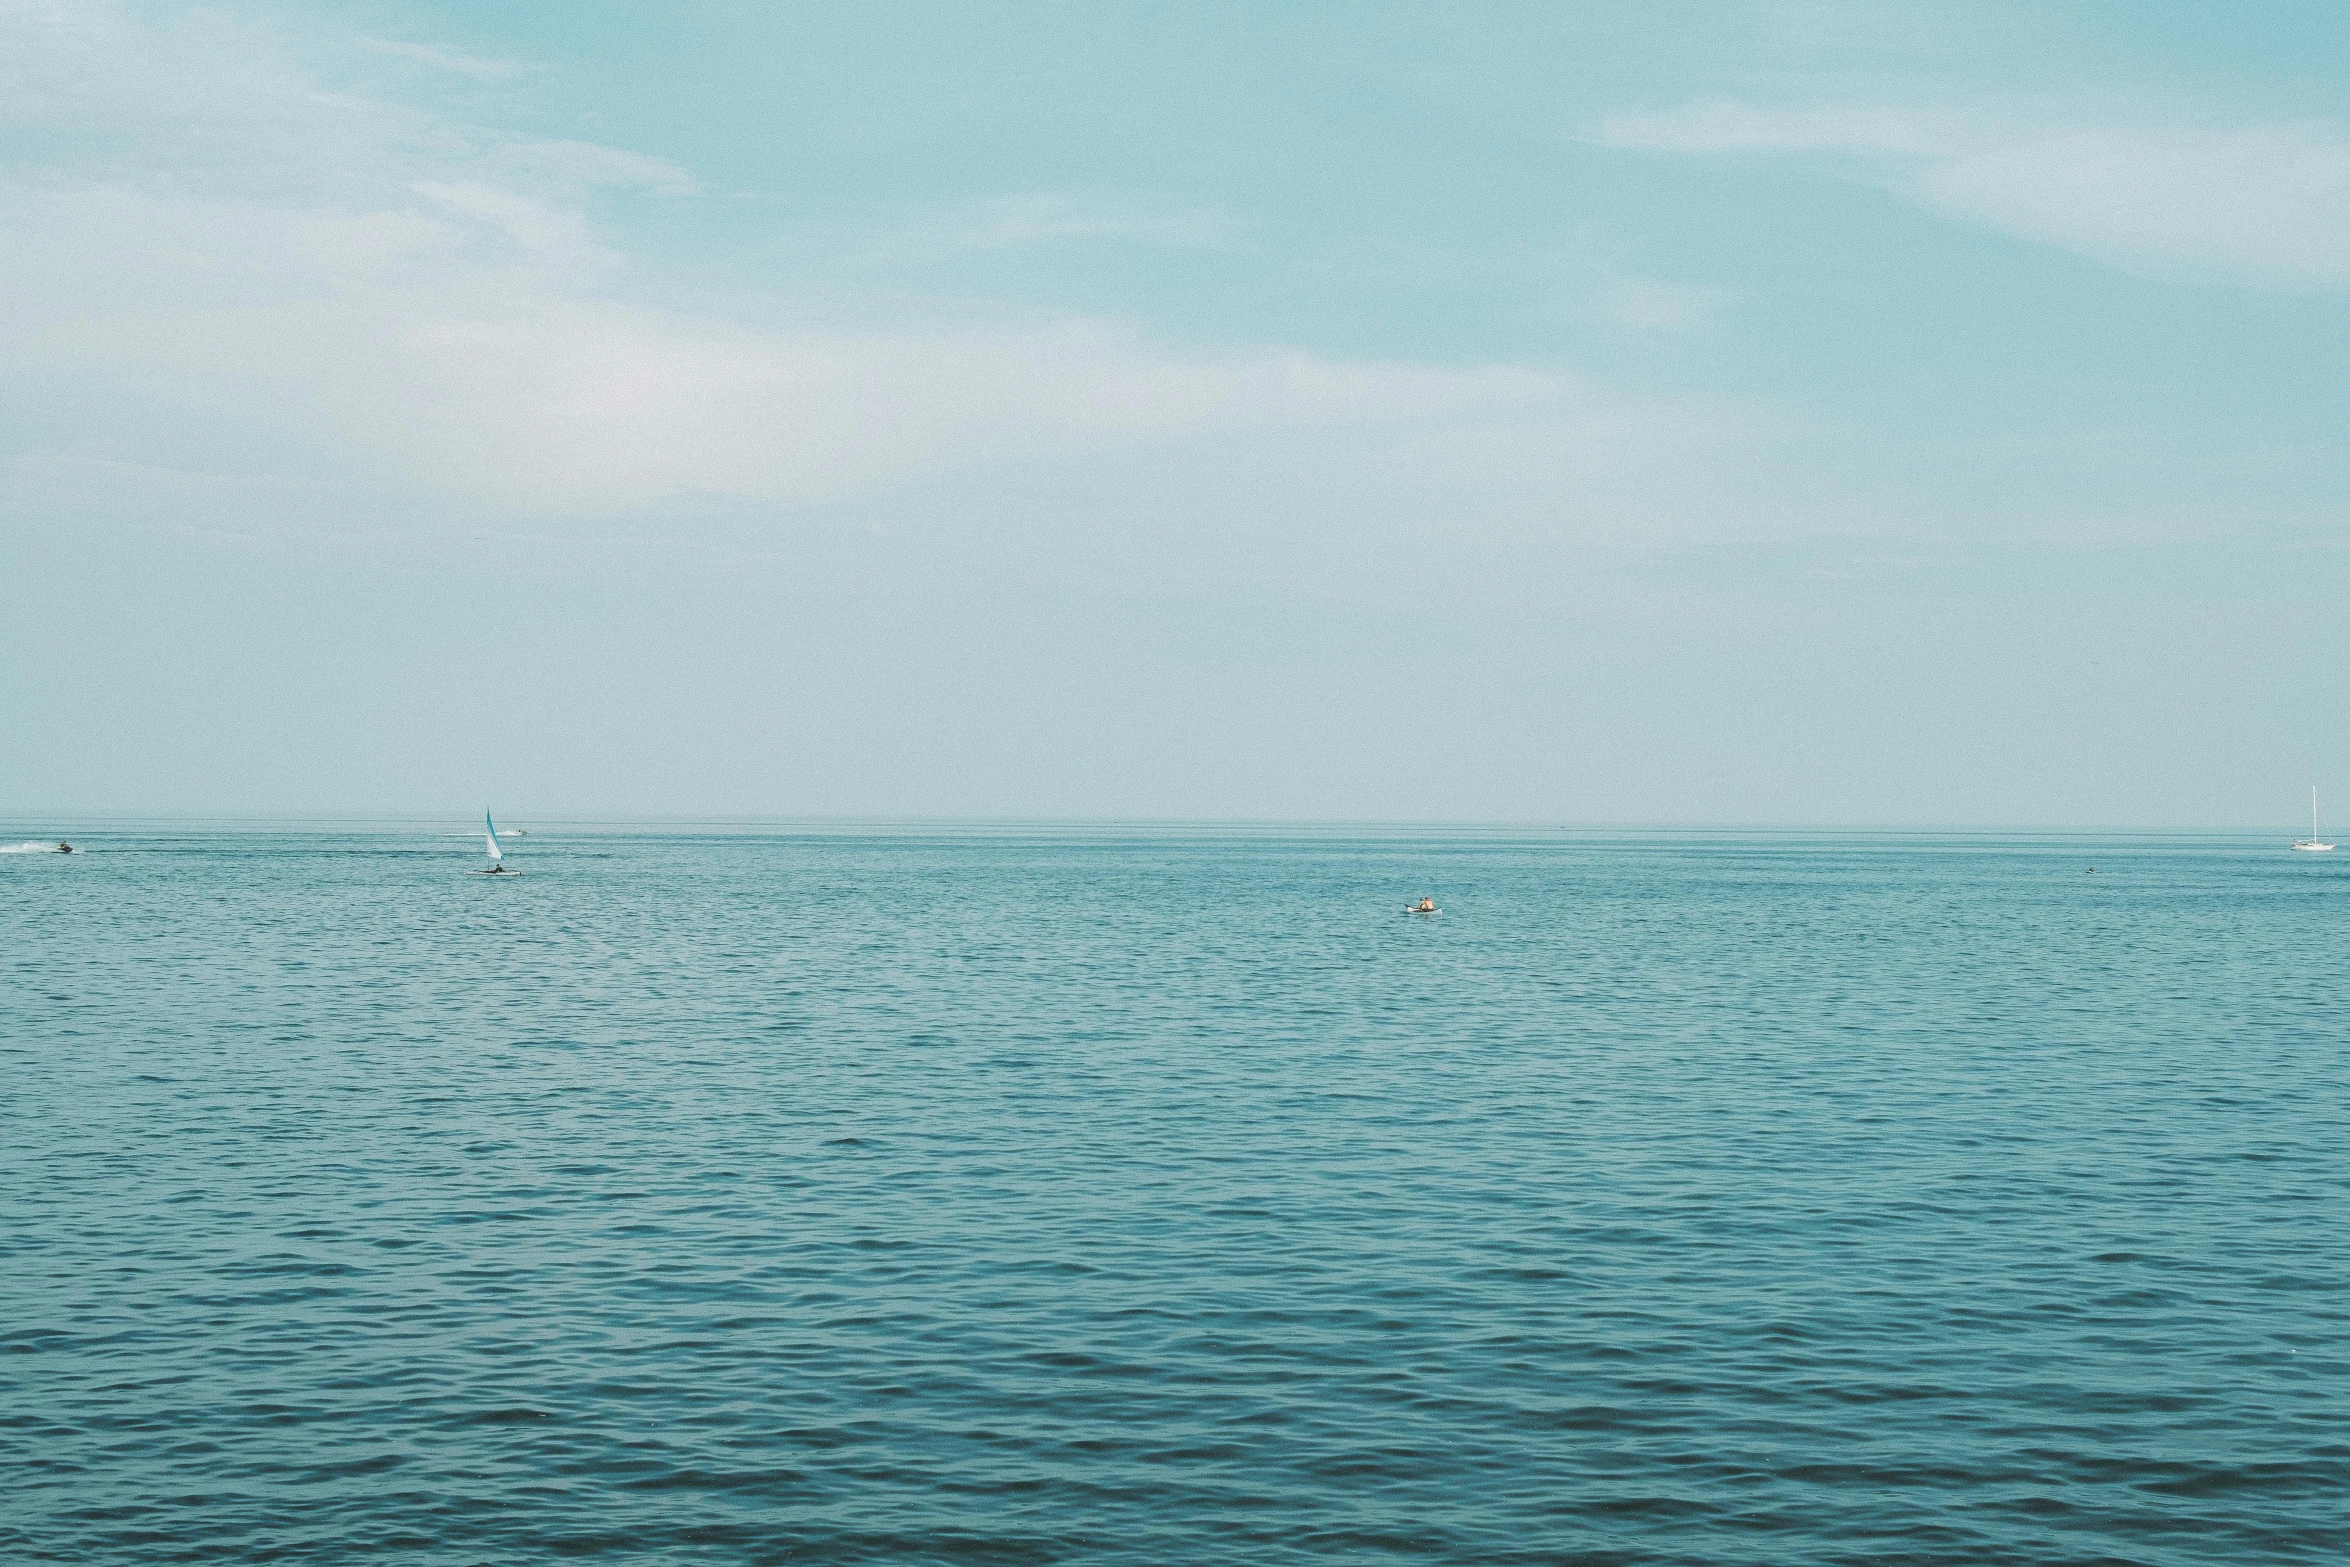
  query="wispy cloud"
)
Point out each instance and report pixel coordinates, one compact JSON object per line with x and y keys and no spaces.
{"x":1646,"y":304}
{"x":213,"y":101}
{"x":573,"y":166}
{"x":1028,"y":221}
{"x":476,"y":66}
{"x":1723,"y":126}
{"x":507,"y":377}
{"x":429,"y":302}
{"x":551,"y":234}
{"x":290,"y":282}
{"x":2252,"y":204}
{"x":1046,"y":218}
{"x":2265,"y":204}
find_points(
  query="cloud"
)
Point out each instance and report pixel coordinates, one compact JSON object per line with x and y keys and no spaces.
{"x":464,"y":346}
{"x":210,"y":102}
{"x":575,"y":166}
{"x":473,"y":65}
{"x":1044,"y":218}
{"x":2270,"y":204}
{"x":1644,"y":304}
{"x":552,"y":234}
{"x":316,"y":294}
{"x":1718,"y":126}
{"x":2259,"y":205}
{"x":948,"y":232}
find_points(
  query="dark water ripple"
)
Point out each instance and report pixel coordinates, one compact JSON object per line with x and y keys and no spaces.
{"x":1160,"y":1199}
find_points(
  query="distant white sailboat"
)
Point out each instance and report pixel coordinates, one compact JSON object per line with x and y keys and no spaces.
{"x":2312,"y":844}
{"x":497,"y":866}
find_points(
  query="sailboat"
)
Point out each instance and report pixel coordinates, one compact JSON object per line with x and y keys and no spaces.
{"x":2312,"y":844}
{"x":497,"y":865}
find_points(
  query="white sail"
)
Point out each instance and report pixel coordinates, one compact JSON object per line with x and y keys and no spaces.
{"x":492,"y":831}
{"x":2313,"y":842}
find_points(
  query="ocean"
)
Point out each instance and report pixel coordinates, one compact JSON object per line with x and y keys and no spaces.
{"x":1148,"y":1197}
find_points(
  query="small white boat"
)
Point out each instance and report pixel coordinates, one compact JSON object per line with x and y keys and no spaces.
{"x":497,"y":866}
{"x":2312,"y":844}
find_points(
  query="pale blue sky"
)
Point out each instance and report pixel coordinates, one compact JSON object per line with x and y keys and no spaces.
{"x":1773,"y":413}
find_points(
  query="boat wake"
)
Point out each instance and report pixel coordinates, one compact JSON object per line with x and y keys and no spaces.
{"x":30,"y":848}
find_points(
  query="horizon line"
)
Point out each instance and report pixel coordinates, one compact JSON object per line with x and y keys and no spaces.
{"x":264,"y":820}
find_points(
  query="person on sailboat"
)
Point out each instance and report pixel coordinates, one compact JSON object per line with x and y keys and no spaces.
{"x":489,"y":836}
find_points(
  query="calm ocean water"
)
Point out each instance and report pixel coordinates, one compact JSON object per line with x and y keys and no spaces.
{"x":1157,"y":1198}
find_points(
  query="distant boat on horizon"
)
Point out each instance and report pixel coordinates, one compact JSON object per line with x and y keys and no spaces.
{"x":2312,"y":844}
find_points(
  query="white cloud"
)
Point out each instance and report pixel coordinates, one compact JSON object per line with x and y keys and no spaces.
{"x":579,"y":165}
{"x":1042,"y":218}
{"x":450,"y":59}
{"x":2268,"y":204}
{"x":1720,"y":126}
{"x":947,"y":232}
{"x":1646,"y":304}
{"x":473,"y":65}
{"x":265,"y":283}
{"x":2262,"y":204}
{"x":209,"y":102}
{"x":502,"y":375}
{"x":552,"y":234}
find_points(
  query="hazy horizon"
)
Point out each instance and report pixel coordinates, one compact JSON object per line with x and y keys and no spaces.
{"x":1766,"y":415}
{"x":468,"y":827}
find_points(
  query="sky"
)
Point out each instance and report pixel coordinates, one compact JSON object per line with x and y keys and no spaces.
{"x":1741,"y":414}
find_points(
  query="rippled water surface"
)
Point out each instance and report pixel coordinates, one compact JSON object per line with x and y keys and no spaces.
{"x":1151,"y":1198}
